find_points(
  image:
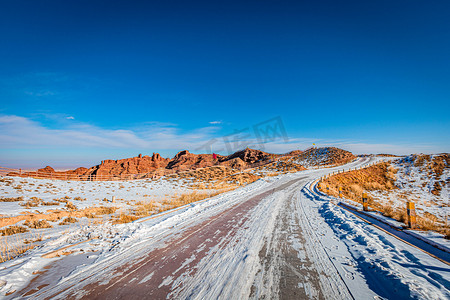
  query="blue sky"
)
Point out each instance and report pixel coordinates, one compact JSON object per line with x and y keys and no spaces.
{"x":82,"y":81}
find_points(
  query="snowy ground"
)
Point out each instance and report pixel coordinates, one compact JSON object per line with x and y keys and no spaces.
{"x":270,"y":239}
{"x":91,"y":192}
{"x":83,"y":194}
{"x":415,"y":184}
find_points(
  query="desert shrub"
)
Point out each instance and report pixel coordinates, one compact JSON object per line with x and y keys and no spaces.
{"x":70,"y":206}
{"x":50,"y":203}
{"x":37,"y":224}
{"x":68,"y":220}
{"x":32,"y":202}
{"x":447,"y":234}
{"x":11,"y":199}
{"x":62,"y":200}
{"x":13,"y":230}
{"x":388,"y":211}
{"x":8,"y":181}
{"x":437,"y":187}
{"x":400,"y":215}
{"x":90,"y":215}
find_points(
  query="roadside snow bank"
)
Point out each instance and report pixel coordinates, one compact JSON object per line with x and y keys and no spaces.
{"x":386,"y":263}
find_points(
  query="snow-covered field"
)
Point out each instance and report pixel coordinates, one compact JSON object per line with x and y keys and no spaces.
{"x":85,"y":194}
{"x":270,"y":239}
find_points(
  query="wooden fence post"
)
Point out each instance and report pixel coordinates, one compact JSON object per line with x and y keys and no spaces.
{"x":365,"y":202}
{"x":411,"y":211}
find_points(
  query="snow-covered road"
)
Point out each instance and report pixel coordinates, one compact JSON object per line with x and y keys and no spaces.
{"x":271,"y":239}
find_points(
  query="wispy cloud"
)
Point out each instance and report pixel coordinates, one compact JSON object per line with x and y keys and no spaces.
{"x":20,"y":132}
{"x":41,"y":93}
{"x":21,"y":138}
{"x":215,"y":122}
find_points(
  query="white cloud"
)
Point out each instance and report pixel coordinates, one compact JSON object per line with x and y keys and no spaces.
{"x":215,"y":122}
{"x":22,"y":138}
{"x":20,"y":132}
{"x":70,"y":118}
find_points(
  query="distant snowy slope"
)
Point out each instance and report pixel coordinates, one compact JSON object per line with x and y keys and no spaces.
{"x":424,"y":179}
{"x":322,"y":156}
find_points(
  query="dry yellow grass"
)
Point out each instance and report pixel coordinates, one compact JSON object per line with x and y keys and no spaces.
{"x":183,"y":199}
{"x":8,"y":252}
{"x":124,"y":218}
{"x":13,"y":230}
{"x":380,"y":177}
{"x":55,"y":215}
{"x":148,"y":208}
{"x":13,"y":246}
{"x":143,"y":209}
{"x":355,"y":183}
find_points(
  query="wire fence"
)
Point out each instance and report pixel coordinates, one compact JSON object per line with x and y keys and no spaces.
{"x":71,"y":175}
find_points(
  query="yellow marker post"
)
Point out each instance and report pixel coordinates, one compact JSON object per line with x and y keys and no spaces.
{"x":411,"y":211}
{"x":340,"y":192}
{"x":365,"y":202}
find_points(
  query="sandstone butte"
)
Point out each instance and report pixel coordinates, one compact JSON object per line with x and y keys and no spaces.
{"x":156,"y":165}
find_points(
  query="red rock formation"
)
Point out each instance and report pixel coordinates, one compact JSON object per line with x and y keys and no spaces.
{"x":134,"y":165}
{"x":49,"y":172}
{"x":47,"y":169}
{"x":184,"y":160}
{"x":250,"y":156}
{"x":235,"y":163}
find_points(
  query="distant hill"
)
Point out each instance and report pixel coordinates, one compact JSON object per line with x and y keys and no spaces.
{"x":184,"y":161}
{"x":321,"y":156}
